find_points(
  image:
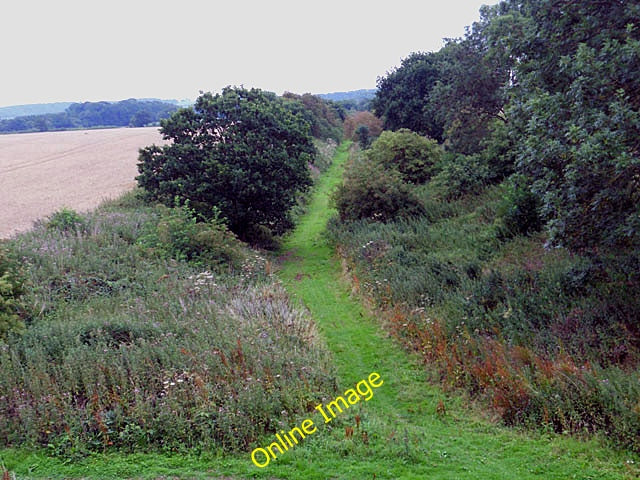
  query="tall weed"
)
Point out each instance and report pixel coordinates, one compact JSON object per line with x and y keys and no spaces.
{"x":152,"y":332}
{"x":549,"y":339}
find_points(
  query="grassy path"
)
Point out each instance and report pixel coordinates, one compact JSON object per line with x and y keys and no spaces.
{"x":405,"y":438}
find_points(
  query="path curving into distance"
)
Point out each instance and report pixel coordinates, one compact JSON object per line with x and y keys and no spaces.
{"x":400,"y":435}
{"x":405,"y":435}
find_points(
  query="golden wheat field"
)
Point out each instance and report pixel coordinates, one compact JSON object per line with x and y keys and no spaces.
{"x":42,"y":172}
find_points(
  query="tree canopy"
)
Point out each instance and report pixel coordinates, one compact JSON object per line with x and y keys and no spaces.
{"x":243,"y":153}
{"x":403,"y":96}
{"x":546,"y":89}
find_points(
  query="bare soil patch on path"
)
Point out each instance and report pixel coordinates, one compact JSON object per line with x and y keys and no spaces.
{"x":43,"y":172}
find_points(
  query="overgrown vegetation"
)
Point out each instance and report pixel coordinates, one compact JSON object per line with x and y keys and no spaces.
{"x":550,"y":339}
{"x":151,"y":332}
{"x":519,"y":279}
{"x":243,"y":154}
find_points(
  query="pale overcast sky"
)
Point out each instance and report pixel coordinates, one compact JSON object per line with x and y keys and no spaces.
{"x":65,"y":50}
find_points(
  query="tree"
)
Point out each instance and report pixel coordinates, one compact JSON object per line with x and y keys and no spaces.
{"x":357,"y":119}
{"x":576,"y":114}
{"x":141,"y":118}
{"x":242,"y":152}
{"x":469,"y":94}
{"x":324,"y":116}
{"x":402,"y":99}
{"x":406,"y":152}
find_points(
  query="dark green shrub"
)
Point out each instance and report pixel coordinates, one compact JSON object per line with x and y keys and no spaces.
{"x":519,"y":213}
{"x":371,"y":192}
{"x":413,"y":155}
{"x":462,"y":175}
{"x":364,"y":139}
{"x":499,"y":152}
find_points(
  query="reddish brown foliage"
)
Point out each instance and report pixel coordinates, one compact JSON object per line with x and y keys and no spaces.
{"x":351,"y":124}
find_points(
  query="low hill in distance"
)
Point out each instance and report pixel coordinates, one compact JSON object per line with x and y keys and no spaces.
{"x":362,"y":94}
{"x":353,"y":101}
{"x":131,"y":112}
{"x":13,"y":111}
{"x":33,"y":109}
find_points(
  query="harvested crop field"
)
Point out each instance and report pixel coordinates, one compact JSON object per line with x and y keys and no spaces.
{"x":42,"y":172}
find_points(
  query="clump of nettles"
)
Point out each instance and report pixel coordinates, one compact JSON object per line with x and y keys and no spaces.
{"x":11,"y":288}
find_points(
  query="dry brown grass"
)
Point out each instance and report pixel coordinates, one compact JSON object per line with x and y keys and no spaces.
{"x":42,"y":172}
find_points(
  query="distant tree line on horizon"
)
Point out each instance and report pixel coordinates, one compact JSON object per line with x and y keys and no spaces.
{"x":131,"y":112}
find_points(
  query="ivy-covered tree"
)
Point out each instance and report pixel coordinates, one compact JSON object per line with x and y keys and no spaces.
{"x":242,"y":152}
{"x":11,"y":288}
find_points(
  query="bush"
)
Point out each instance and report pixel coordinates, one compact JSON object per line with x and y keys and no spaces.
{"x":519,"y":213}
{"x":66,"y":220}
{"x":371,"y":192}
{"x":178,"y":235}
{"x":11,"y":288}
{"x":462,"y":175}
{"x":548,"y":338}
{"x":412,"y":155}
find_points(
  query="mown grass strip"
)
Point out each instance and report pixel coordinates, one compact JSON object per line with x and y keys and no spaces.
{"x":411,"y":439}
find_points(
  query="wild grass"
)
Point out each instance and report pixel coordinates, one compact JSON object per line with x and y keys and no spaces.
{"x":149,"y":332}
{"x":549,"y":338}
{"x":409,"y":429}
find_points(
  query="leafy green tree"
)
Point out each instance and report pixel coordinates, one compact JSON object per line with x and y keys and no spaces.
{"x":243,"y":152}
{"x":469,"y":95}
{"x":412,"y":155}
{"x":403,"y":96}
{"x":575,"y":111}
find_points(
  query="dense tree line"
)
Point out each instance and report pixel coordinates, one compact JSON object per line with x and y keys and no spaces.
{"x":241,"y":154}
{"x":548,"y":90}
{"x":135,"y":113}
{"x":324,"y":116}
{"x":353,"y":101}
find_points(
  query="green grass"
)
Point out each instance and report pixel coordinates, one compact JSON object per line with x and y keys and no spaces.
{"x":406,"y":437}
